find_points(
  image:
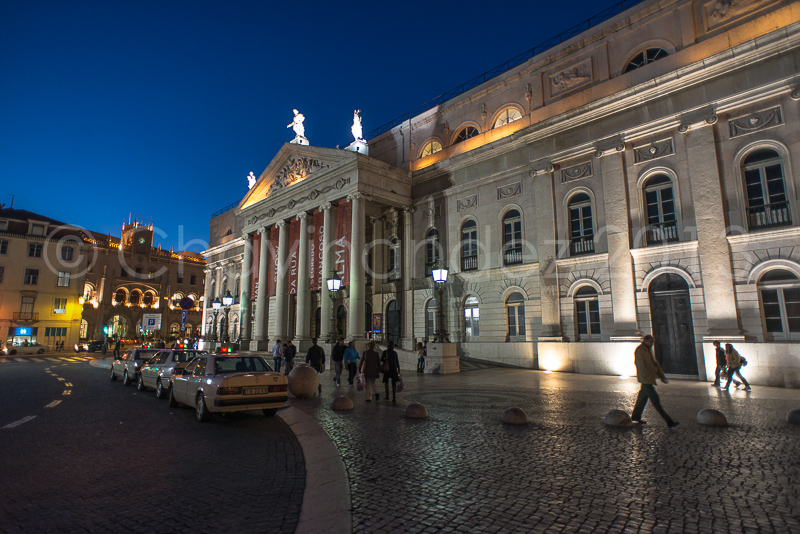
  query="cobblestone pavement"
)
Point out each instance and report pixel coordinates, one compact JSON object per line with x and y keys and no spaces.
{"x":463,"y":470}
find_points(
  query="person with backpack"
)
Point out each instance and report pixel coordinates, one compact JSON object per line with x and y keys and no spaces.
{"x":735,"y":363}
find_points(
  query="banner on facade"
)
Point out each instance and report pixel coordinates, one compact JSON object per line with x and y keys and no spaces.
{"x":255,"y":263}
{"x":272,"y":266}
{"x":291,"y":260}
{"x":315,"y":250}
{"x":341,"y":245}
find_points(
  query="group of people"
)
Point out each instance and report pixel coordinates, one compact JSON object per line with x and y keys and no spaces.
{"x":283,"y":353}
{"x":729,"y":363}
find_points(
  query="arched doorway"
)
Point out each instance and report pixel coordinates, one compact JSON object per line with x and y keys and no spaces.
{"x":671,"y":314}
{"x":341,"y":322}
{"x":119,"y":326}
{"x":393,"y":322}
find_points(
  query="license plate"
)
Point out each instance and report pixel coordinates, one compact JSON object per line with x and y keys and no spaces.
{"x":255,"y":391}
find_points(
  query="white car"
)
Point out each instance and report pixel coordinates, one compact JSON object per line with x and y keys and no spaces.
{"x":216,"y":383}
{"x":33,"y":348}
{"x":128,"y":364}
{"x":158,"y":371}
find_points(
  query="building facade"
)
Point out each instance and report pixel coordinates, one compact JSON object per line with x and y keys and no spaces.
{"x":42,"y":272}
{"x":640,"y":177}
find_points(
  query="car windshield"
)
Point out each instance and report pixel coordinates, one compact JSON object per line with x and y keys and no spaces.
{"x":145,"y":354}
{"x":241,"y":364}
{"x":185,"y":356}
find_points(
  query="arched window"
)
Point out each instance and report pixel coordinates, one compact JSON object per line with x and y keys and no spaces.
{"x":512,"y":238}
{"x":432,"y":246}
{"x":508,"y":115}
{"x":587,"y":312}
{"x":471,"y":318}
{"x":469,"y":246}
{"x":120,"y":296}
{"x":431,"y":316}
{"x":223,"y":288}
{"x":645,"y":57}
{"x":581,"y":230}
{"x":84,"y":332}
{"x":237,"y":290}
{"x":767,"y":202}
{"x":228,"y":231}
{"x":394,"y":259}
{"x":467,"y":133}
{"x":148,"y":298}
{"x":659,"y":199}
{"x":515,"y":311}
{"x":174,"y":330}
{"x":136,"y":297}
{"x":211,"y":293}
{"x":431,"y":147}
{"x":780,"y":300}
{"x":88,"y":289}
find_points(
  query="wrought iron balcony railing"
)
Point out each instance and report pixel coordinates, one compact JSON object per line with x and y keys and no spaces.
{"x":581,"y":245}
{"x":25,"y":317}
{"x":469,"y":263}
{"x":658,"y":234}
{"x":512,"y":256}
{"x":772,"y":215}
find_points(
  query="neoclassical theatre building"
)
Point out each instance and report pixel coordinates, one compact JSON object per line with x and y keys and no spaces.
{"x":640,"y":177}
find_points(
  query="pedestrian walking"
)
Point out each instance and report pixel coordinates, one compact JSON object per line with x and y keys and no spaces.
{"x":420,"y":357}
{"x":277,"y":355}
{"x":337,"y":356}
{"x":370,"y":365}
{"x":116,"y":347}
{"x":105,"y":346}
{"x":315,"y":357}
{"x":647,"y":370}
{"x":721,"y":362}
{"x":289,"y":352}
{"x":389,"y":357}
{"x":735,"y":363}
{"x":351,"y":362}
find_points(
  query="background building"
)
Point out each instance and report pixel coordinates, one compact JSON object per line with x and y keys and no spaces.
{"x":638,"y":177}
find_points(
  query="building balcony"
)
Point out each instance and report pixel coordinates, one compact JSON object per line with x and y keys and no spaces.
{"x":512,"y":256}
{"x":581,"y":245}
{"x":768,"y":216}
{"x":661,"y":233}
{"x":25,"y":317}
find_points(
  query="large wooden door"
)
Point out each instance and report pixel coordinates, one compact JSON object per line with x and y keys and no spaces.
{"x":393,"y":322}
{"x":671,"y":313}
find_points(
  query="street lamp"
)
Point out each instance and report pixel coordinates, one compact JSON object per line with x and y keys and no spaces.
{"x":439,"y":275}
{"x":334,"y":285}
{"x":215,"y":305}
{"x":227,"y":300}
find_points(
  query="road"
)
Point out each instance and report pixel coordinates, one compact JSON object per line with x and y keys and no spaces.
{"x":82,"y":453}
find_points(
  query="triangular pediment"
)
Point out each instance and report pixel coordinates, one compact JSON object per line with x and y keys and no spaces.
{"x":292,"y":165}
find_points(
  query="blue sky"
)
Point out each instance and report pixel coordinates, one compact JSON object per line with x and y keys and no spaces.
{"x":162,"y":108}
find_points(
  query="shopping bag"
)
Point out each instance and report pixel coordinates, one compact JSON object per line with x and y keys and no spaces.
{"x":401,"y":384}
{"x":360,"y":382}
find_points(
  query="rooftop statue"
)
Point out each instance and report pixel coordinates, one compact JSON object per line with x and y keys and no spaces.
{"x":251,"y":180}
{"x":356,"y":128}
{"x":299,"y":129}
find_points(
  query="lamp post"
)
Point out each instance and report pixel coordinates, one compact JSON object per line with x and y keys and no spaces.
{"x":439,"y":275}
{"x":215,"y":305}
{"x":227,"y":300}
{"x":334,"y":285}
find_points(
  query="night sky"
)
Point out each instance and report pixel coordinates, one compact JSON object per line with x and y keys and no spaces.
{"x":160,"y":109}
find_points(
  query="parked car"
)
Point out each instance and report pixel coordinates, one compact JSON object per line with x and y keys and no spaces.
{"x":32,"y":348}
{"x":129,"y":363}
{"x":159,"y":369}
{"x":216,"y":383}
{"x":89,"y":346}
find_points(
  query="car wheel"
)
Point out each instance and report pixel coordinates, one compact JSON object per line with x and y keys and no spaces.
{"x":159,"y":390}
{"x":172,"y":402}
{"x":270,"y":412}
{"x":40,"y":351}
{"x":12,"y":352}
{"x":113,"y":376}
{"x":125,"y":379}
{"x":140,"y":384}
{"x":202,"y":411}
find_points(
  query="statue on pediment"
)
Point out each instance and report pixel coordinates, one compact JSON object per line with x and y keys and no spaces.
{"x":356,"y":129}
{"x":251,"y":180}
{"x":299,"y":128}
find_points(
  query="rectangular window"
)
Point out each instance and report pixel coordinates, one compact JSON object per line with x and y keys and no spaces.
{"x":2,"y":273}
{"x":66,"y":253}
{"x":123,"y":273}
{"x":588,"y":312}
{"x":34,"y":250}
{"x":31,"y":277}
{"x":193,"y":279}
{"x":3,"y":226}
{"x":63,"y":279}
{"x":772,"y":310}
{"x":3,"y":246}
{"x":37,"y":229}
{"x":471,"y":322}
{"x":60,"y":306}
{"x":26,"y":305}
{"x":791,"y":297}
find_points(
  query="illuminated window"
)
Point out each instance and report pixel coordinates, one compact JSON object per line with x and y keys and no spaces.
{"x":87,"y":291}
{"x":587,"y":312}
{"x":120,"y":296}
{"x":84,"y":329}
{"x":147,"y":300}
{"x":467,"y":133}
{"x":431,"y":316}
{"x":515,"y":311}
{"x":31,"y":277}
{"x":60,"y":306}
{"x":507,"y":116}
{"x":432,"y":247}
{"x":63,"y":279}
{"x":645,"y":57}
{"x":471,"y":318}
{"x":136,"y":297}
{"x":581,"y":229}
{"x":469,"y":246}
{"x":34,"y":250}
{"x":767,"y":201}
{"x":780,"y":298}
{"x":431,"y":147}
{"x":659,"y":198}
{"x":512,"y":238}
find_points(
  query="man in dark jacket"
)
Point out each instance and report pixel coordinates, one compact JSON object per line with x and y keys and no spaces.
{"x":315,"y":357}
{"x":721,"y":362}
{"x":337,"y":356}
{"x":289,"y":352}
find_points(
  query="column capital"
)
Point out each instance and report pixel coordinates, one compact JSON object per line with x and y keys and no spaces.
{"x":354,"y":196}
{"x":376,"y":219}
{"x":263,"y":230}
{"x":409,"y":209}
{"x":280,"y":224}
{"x":325,"y":207}
{"x":300,"y":216}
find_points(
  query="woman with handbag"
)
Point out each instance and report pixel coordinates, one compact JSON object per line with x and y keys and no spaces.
{"x":390,"y":367}
{"x":370,"y":364}
{"x":735,"y":362}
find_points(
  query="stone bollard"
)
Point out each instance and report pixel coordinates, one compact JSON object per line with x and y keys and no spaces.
{"x":303,"y":381}
{"x":712,"y":417}
{"x":793,"y":417}
{"x":515,"y":416}
{"x":342,"y":403}
{"x":618,"y":418}
{"x":416,"y":410}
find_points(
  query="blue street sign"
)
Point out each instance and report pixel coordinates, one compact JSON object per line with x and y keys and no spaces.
{"x":183,"y":316}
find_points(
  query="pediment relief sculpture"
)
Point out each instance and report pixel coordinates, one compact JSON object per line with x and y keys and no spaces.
{"x":571,"y":77}
{"x":720,"y":11}
{"x":295,"y":170}
{"x":755,"y":121}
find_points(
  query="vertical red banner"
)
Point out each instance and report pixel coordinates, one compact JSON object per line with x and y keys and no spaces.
{"x":341,"y":246}
{"x":272,"y":266}
{"x":255,"y":264}
{"x":294,"y":246}
{"x":315,"y":250}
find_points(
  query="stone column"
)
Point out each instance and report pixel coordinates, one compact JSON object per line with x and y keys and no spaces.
{"x":378,"y":254}
{"x":206,"y":304}
{"x":620,"y":262}
{"x":260,"y":326}
{"x":303,"y":319}
{"x":246,"y":283}
{"x":325,"y":302}
{"x":715,"y":254}
{"x":281,"y":287}
{"x":408,"y":269}
{"x":546,"y":247}
{"x":355,"y":326}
